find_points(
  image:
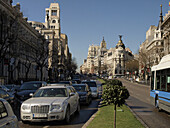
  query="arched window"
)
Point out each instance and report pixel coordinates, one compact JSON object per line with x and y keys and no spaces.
{"x":54,"y":21}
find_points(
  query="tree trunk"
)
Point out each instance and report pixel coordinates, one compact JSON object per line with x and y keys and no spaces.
{"x":41,"y":73}
{"x":115,"y":116}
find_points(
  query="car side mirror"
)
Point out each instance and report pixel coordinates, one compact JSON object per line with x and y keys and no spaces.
{"x":31,"y":94}
{"x":72,"y":94}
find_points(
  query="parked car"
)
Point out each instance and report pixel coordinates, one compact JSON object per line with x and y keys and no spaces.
{"x":74,"y":82}
{"x":27,"y":88}
{"x":12,"y":88}
{"x":64,"y":82}
{"x":51,"y":103}
{"x":84,"y":92}
{"x":77,"y":78}
{"x":7,"y":117}
{"x":7,"y":96}
{"x":4,"y":88}
{"x":93,"y":87}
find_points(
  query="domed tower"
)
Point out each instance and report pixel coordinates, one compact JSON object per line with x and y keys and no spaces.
{"x":103,"y":44}
{"x":120,"y":43}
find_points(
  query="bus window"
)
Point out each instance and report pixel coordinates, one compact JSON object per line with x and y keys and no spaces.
{"x":152,"y":81}
{"x":158,"y":80}
{"x":168,"y":83}
{"x":163,"y":83}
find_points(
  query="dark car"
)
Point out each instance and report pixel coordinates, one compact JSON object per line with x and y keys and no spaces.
{"x":84,"y":93}
{"x":7,"y":96}
{"x":65,"y":82}
{"x":77,"y":78}
{"x":27,"y":88}
{"x":93,"y":86}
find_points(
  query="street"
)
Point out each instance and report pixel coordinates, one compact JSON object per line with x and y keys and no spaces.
{"x":139,"y":102}
{"x":77,"y":120}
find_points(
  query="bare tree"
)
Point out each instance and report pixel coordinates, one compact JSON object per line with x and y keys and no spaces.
{"x":40,"y":55}
{"x":144,"y":61}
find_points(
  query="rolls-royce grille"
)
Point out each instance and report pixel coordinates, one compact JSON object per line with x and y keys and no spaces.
{"x":40,"y":109}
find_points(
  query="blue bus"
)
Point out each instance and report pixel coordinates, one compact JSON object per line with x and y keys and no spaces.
{"x":160,"y":84}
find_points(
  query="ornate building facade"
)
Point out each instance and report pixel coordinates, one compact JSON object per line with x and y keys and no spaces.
{"x":59,"y":55}
{"x":110,"y":62}
{"x":19,"y":43}
{"x":155,"y":46}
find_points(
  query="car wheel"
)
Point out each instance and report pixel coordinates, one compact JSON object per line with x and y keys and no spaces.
{"x":25,"y":122}
{"x":67,"y":116}
{"x":78,"y":108}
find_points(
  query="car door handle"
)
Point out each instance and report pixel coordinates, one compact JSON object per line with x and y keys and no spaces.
{"x":8,"y":123}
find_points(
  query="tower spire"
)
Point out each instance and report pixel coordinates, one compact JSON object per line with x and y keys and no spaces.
{"x":161,"y":17}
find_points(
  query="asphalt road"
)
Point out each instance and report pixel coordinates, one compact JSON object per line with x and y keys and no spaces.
{"x":139,"y":102}
{"x":77,"y":120}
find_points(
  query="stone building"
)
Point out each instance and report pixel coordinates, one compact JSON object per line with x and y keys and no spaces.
{"x":19,"y":59}
{"x":110,"y":62}
{"x":166,"y":33}
{"x":115,"y":59}
{"x":155,"y":46}
{"x":59,"y":55}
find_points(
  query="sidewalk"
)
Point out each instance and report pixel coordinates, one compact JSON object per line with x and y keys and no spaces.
{"x":141,"y":82}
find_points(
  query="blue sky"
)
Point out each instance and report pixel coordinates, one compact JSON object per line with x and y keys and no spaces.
{"x":86,"y":21}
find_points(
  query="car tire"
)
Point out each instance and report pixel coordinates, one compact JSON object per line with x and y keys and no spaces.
{"x":24,"y":122}
{"x":67,"y":116}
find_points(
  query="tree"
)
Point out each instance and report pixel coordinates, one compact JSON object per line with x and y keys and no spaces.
{"x":132,"y":66}
{"x":144,"y":61}
{"x":72,"y":67}
{"x":41,"y":55}
{"x":114,"y":93}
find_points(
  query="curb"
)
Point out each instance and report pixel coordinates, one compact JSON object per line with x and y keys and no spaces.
{"x":92,"y":117}
{"x":137,"y":117}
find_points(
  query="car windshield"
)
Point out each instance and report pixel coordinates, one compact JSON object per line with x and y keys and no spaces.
{"x":9,"y":86}
{"x":30,"y":86}
{"x":80,"y":88}
{"x":51,"y":92}
{"x":91,"y":84}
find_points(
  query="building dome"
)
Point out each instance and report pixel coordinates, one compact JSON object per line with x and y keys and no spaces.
{"x":120,"y":43}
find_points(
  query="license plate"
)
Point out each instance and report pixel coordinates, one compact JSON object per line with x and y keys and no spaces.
{"x":39,"y":115}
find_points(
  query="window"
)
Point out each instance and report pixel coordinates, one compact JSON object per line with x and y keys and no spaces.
{"x":168,"y":83}
{"x":152,"y":81}
{"x":54,"y":12}
{"x":54,"y":21}
{"x":47,"y":12}
{"x":163,"y":80}
{"x":158,"y":80}
{"x":3,"y":111}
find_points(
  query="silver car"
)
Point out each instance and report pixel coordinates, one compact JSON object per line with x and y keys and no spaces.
{"x":7,"y":117}
{"x":51,"y":103}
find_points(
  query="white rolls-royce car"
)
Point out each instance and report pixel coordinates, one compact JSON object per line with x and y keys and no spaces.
{"x":51,"y":103}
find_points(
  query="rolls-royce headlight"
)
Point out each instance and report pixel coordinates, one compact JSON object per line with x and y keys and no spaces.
{"x":25,"y":107}
{"x":56,"y":106}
